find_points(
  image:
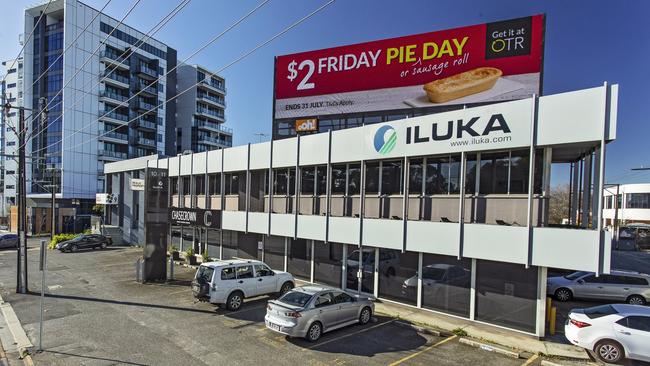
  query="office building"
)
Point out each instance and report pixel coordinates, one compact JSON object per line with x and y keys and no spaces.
{"x":457,"y":225}
{"x":200,"y":111}
{"x":11,"y":90}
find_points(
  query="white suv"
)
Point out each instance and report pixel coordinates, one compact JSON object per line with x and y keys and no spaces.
{"x":229,"y":282}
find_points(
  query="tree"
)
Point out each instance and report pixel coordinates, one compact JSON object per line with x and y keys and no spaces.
{"x":98,"y":210}
{"x":559,"y":204}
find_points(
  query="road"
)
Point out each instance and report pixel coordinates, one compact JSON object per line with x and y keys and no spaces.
{"x":95,"y":314}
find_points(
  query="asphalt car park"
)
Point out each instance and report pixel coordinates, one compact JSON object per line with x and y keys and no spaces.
{"x":96,"y":313}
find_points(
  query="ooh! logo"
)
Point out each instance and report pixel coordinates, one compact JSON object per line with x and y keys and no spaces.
{"x":385,"y":139}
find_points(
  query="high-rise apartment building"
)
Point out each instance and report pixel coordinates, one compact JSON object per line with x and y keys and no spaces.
{"x":107,"y":101}
{"x":200,"y":111}
{"x":8,"y":140}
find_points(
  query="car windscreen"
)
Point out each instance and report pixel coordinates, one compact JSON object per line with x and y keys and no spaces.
{"x":575,"y":275}
{"x":599,"y":311}
{"x":204,"y":274}
{"x":354,"y":256}
{"x":296,"y":298}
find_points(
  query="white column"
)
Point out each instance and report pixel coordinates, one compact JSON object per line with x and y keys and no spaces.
{"x":472,"y":291}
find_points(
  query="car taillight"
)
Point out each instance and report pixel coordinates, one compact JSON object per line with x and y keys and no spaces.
{"x":268,"y":306}
{"x":293,"y":314}
{"x":578,"y":323}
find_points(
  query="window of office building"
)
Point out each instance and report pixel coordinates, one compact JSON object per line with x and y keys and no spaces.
{"x":372,"y":178}
{"x":470,"y":174}
{"x":185,"y":181}
{"x":214,"y":243}
{"x":354,"y":179}
{"x":214,"y":184}
{"x":494,"y":173}
{"x":199,"y":185}
{"x":258,"y":189}
{"x":176,"y":237}
{"x":299,"y":258}
{"x":442,"y":175}
{"x":321,"y":180}
{"x":391,"y":177}
{"x":173,"y":185}
{"x":506,"y":294}
{"x":328,"y":263}
{"x":446,"y":283}
{"x":274,"y":252}
{"x":397,"y":269}
{"x":307,"y":176}
{"x":338,"y":179}
{"x":284,"y":182}
{"x":247,"y":245}
{"x":188,"y":238}
{"x":229,"y":244}
{"x":637,"y":200}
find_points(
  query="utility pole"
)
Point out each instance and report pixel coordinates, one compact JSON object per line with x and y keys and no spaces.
{"x":22,"y":206}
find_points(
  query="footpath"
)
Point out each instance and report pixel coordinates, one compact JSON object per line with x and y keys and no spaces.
{"x":14,"y":343}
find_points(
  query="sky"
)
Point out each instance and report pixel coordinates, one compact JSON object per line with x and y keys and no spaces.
{"x":587,"y":43}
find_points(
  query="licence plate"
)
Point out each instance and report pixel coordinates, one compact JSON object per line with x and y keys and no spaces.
{"x":274,"y":326}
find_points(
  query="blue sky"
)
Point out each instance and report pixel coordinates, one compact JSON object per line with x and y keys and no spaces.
{"x":587,"y":43}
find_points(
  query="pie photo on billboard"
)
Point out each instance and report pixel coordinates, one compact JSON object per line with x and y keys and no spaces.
{"x":463,"y":84}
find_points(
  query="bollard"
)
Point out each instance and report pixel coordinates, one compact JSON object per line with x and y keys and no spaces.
{"x":552,"y":320}
{"x":549,"y":303}
{"x":171,"y":269}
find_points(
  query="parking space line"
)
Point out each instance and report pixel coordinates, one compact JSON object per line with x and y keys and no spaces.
{"x":424,"y":350}
{"x":350,"y":334}
{"x":530,"y":360}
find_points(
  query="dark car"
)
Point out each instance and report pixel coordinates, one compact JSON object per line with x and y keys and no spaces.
{"x":86,"y":241}
{"x":8,"y":241}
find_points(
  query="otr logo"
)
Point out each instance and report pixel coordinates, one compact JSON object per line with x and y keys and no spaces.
{"x":385,"y":139}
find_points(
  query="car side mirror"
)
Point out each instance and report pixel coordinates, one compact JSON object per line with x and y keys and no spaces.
{"x":272,"y":273}
{"x":581,"y":281}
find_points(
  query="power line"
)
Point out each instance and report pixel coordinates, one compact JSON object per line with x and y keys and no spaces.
{"x":200,"y":49}
{"x":82,"y":66}
{"x":29,"y":37}
{"x":285,"y":30}
{"x":123,"y":56}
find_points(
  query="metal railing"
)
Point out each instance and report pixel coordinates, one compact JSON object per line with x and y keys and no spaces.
{"x":116,"y":77}
{"x":146,"y":141}
{"x":115,"y":96}
{"x":114,"y":115}
{"x":212,"y":125}
{"x":113,"y":134}
{"x":113,"y":154}
{"x":208,"y":97}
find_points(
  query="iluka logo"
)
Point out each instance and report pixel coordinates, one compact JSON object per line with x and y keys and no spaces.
{"x":385,"y":139}
{"x":456,"y":129}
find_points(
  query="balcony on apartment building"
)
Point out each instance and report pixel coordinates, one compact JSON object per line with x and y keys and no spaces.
{"x":146,"y":124}
{"x":112,"y":97}
{"x":209,"y":113}
{"x":112,"y":155}
{"x":213,"y":141}
{"x":115,"y":79}
{"x":145,"y":71}
{"x":146,"y":89}
{"x":114,"y":60}
{"x":211,"y":85}
{"x":211,"y":126}
{"x":114,"y":116}
{"x":210,"y":99}
{"x":144,"y":106}
{"x":113,"y":136}
{"x":146,"y":142}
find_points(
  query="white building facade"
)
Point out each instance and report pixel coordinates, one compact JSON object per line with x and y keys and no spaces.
{"x":444,"y":212}
{"x":632,"y":201}
{"x":13,"y":69}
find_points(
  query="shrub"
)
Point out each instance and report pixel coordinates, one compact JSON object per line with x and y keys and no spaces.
{"x":59,"y":238}
{"x":205,"y":256}
{"x":460,"y":332}
{"x":87,"y":232}
{"x":172,"y":248}
{"x":189,"y":252}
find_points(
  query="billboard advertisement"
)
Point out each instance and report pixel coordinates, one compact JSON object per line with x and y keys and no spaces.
{"x":490,"y":62}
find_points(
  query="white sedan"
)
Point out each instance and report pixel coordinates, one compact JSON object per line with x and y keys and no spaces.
{"x":613,"y":331}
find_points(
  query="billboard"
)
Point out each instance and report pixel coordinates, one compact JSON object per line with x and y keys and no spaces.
{"x":489,"y":62}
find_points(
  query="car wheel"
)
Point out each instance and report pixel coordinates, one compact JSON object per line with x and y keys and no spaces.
{"x":103,"y":246}
{"x":563,"y":294}
{"x":314,"y":332}
{"x":235,"y":301}
{"x":609,"y":351}
{"x":636,"y":300}
{"x":286,"y":287}
{"x":74,"y":248}
{"x":365,"y":315}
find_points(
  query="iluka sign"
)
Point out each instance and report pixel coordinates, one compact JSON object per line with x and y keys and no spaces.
{"x":497,"y":126}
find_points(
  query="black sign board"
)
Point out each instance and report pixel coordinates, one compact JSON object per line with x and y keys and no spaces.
{"x":195,"y":217}
{"x":156,"y":224}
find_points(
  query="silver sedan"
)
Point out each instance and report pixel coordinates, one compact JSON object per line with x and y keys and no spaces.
{"x":310,"y":311}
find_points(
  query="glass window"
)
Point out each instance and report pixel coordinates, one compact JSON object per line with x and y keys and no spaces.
{"x":354,"y":179}
{"x":338,"y":179}
{"x":323,"y":300}
{"x":494,"y":173}
{"x":372,"y":178}
{"x":280,"y":182}
{"x":397,"y":269}
{"x":204,"y":274}
{"x":367,"y":258}
{"x":247,"y":247}
{"x":328,"y":263}
{"x":446,"y":283}
{"x":214,"y":181}
{"x":295,"y":298}
{"x":637,"y":200}
{"x":245,"y":272}
{"x":639,"y":322}
{"x":299,"y":258}
{"x":442,"y":176}
{"x":307,"y":180}
{"x":321,"y":180}
{"x":342,"y":298}
{"x":274,"y":252}
{"x":199,"y":185}
{"x":415,"y":176}
{"x":228,"y":273}
{"x":470,"y":176}
{"x":506,"y":294}
{"x":213,"y":243}
{"x":176,"y":236}
{"x":391,"y":177}
{"x":186,"y":185}
{"x":262,"y":271}
{"x":229,"y":244}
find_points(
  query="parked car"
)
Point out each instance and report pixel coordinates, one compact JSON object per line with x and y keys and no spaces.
{"x":8,"y":241}
{"x":310,"y":311}
{"x":437,"y":276}
{"x":85,"y":241}
{"x":230,"y":282}
{"x":630,"y":287}
{"x":613,"y":332}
